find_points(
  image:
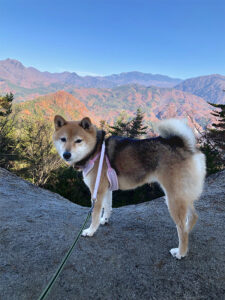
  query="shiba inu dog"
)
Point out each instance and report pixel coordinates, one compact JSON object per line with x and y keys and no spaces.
{"x":171,"y":159}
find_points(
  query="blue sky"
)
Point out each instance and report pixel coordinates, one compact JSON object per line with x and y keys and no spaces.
{"x":179,"y":38}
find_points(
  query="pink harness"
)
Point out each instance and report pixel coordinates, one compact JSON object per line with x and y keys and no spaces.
{"x":111,"y":173}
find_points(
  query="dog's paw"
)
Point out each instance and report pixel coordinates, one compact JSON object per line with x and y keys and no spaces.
{"x":104,"y":221}
{"x":175,"y":253}
{"x":88,"y":232}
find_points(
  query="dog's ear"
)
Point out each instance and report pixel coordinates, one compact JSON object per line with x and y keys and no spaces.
{"x":59,"y":122}
{"x":85,"y":123}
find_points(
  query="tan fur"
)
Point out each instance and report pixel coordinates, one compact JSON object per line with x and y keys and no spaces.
{"x":180,"y":173}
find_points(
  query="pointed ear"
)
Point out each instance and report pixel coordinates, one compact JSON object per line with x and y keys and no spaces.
{"x":59,"y":122}
{"x":85,"y":123}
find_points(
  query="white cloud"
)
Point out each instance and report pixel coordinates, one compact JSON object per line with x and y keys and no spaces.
{"x":86,"y":73}
{"x":80,"y":73}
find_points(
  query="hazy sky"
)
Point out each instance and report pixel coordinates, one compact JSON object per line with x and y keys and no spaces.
{"x":179,"y":38}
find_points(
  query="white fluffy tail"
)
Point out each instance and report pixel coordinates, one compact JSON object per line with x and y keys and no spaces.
{"x":174,"y":127}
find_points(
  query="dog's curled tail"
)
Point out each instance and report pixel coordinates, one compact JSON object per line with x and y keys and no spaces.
{"x":174,"y":127}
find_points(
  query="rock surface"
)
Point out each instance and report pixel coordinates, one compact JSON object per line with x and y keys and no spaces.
{"x":128,"y":259}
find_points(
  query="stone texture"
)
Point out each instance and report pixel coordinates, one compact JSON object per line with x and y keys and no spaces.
{"x":127,"y":259}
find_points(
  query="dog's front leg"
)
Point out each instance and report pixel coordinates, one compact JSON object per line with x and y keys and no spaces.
{"x":107,"y":207}
{"x":96,"y":215}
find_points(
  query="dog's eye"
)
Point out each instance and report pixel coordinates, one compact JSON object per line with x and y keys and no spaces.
{"x":78,"y":141}
{"x":63,"y":140}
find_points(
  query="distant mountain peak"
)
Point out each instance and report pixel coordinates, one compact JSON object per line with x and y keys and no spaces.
{"x":208,"y":87}
{"x":14,"y":62}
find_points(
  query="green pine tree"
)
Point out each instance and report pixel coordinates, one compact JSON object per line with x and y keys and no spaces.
{"x":7,"y":143}
{"x":129,"y":128}
{"x":121,"y":126}
{"x":136,"y":126}
{"x":213,"y":145}
{"x":6,"y":105}
{"x":217,"y":133}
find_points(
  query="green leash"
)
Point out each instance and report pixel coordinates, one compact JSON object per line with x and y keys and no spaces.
{"x":55,"y":276}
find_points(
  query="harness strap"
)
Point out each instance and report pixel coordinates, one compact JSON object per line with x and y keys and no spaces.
{"x":95,"y":158}
{"x":112,"y":176}
{"x":98,"y":178}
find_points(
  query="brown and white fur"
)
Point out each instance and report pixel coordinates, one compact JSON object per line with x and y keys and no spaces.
{"x":171,"y":159}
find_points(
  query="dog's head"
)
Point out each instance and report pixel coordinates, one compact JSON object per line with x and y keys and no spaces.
{"x":74,"y":140}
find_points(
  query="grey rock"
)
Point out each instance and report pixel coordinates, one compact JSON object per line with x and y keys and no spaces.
{"x":127,"y":259}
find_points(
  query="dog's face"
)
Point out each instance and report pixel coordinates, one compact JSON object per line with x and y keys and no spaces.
{"x":74,"y":140}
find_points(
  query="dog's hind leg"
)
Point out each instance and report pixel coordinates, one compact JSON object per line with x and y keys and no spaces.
{"x":178,"y":211}
{"x":177,"y":202}
{"x":107,"y":208}
{"x":192,"y":218}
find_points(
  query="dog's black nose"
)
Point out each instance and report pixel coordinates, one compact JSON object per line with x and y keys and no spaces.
{"x":67,"y":155}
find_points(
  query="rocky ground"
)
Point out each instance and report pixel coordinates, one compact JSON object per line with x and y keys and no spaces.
{"x":127,"y":259}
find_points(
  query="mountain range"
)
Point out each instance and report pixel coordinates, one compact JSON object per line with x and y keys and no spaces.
{"x":28,"y":83}
{"x":99,"y":104}
{"x":104,"y":97}
{"x":16,"y":73}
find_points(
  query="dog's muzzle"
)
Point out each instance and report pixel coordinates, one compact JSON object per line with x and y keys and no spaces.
{"x":66,"y":155}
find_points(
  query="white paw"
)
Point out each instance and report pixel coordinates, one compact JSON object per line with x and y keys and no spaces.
{"x":88,"y":232}
{"x":176,"y":254}
{"x":104,"y":221}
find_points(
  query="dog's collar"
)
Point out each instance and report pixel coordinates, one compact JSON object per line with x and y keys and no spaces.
{"x":100,"y":138}
{"x":89,"y":165}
